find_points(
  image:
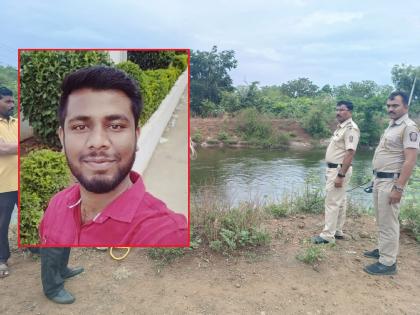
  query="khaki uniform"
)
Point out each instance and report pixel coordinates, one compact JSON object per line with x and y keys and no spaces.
{"x":345,"y":137}
{"x":389,"y":158}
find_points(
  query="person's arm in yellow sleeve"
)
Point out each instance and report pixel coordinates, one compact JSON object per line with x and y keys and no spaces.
{"x":8,"y":148}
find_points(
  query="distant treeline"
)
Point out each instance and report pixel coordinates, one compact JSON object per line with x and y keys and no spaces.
{"x":213,"y":94}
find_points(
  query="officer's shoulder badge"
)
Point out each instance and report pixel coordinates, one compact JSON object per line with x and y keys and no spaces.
{"x":413,"y":136}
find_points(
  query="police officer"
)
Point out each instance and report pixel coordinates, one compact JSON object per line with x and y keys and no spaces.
{"x":393,"y":163}
{"x":339,"y":157}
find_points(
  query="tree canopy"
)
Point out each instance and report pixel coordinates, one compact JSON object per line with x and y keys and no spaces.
{"x":210,"y":77}
{"x":8,"y":78}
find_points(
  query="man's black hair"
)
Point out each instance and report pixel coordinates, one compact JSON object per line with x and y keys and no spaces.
{"x":348,"y":104}
{"x":100,"y":78}
{"x":4,"y":91}
{"x":403,"y":95}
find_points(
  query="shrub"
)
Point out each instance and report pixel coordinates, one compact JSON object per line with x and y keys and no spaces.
{"x":222,"y":136}
{"x":410,"y":212}
{"x":42,"y":174}
{"x":147,"y":60}
{"x":311,"y":255}
{"x":228,"y":229}
{"x":252,"y":124}
{"x":164,"y":256}
{"x":180,"y":61}
{"x":210,"y":109}
{"x":311,"y":200}
{"x":154,"y":85}
{"x":277,"y":210}
{"x":316,"y":123}
{"x":197,"y":137}
{"x":41,"y":75}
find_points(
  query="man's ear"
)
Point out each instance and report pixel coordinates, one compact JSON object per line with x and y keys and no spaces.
{"x":61,"y":137}
{"x":137,"y":137}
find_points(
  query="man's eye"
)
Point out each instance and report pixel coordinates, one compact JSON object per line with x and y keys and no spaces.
{"x":79,"y":127}
{"x":116,"y":126}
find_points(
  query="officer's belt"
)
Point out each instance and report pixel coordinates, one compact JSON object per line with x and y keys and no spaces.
{"x":386,"y":175}
{"x":333,"y":165}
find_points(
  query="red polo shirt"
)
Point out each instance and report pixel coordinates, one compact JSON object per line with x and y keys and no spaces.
{"x":134,"y":218}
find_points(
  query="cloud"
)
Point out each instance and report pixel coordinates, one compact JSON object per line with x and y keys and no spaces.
{"x":327,"y":18}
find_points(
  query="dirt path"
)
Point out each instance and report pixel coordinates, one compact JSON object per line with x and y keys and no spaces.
{"x":270,"y":281}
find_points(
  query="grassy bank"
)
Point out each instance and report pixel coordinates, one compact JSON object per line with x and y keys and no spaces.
{"x":247,"y":128}
{"x":248,"y":228}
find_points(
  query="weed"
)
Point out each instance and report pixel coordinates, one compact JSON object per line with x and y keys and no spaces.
{"x":197,"y":137}
{"x":223,"y":136}
{"x":227,"y":229}
{"x":164,"y":256}
{"x":278,"y":234}
{"x":311,"y":255}
{"x":277,"y":210}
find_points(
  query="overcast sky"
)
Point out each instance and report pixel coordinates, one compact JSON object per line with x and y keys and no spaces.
{"x":275,"y":41}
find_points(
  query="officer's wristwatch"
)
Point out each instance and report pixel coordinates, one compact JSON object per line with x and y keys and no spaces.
{"x":398,"y":188}
{"x":341,"y":175}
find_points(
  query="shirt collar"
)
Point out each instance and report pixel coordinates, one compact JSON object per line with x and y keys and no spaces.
{"x":11,"y":119}
{"x":344,"y":123}
{"x":123,"y":208}
{"x":399,"y":120}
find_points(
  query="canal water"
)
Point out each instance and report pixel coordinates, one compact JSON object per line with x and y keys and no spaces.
{"x":239,"y":175}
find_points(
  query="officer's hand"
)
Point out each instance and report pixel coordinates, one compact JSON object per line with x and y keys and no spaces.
{"x":338,"y":182}
{"x":395,"y":197}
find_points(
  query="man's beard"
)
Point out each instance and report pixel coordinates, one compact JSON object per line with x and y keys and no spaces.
{"x":7,"y":114}
{"x":100,"y":185}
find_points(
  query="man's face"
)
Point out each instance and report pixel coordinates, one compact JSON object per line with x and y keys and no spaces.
{"x":99,"y":138}
{"x":396,"y":107}
{"x":7,"y":104}
{"x":342,"y":113}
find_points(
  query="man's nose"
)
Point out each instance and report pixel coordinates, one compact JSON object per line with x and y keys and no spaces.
{"x":98,"y":138}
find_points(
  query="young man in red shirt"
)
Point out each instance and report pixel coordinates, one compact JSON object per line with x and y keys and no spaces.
{"x":99,"y":114}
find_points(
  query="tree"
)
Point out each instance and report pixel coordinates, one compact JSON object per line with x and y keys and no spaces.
{"x":230,"y":101}
{"x":364,"y":89}
{"x":209,"y":76}
{"x":403,"y":78}
{"x":8,"y":78}
{"x":326,"y":89}
{"x":300,"y":87}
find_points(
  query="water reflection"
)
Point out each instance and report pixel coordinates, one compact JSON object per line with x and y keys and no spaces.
{"x":250,"y":174}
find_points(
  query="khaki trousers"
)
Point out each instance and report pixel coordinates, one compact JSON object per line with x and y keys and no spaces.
{"x":387,"y":221}
{"x":335,"y":205}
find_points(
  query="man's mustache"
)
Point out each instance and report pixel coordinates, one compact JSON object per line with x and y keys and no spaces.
{"x":99,"y":156}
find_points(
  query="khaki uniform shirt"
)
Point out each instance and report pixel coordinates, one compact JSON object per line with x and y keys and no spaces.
{"x":345,"y":137}
{"x":9,"y":162}
{"x":389,"y":154}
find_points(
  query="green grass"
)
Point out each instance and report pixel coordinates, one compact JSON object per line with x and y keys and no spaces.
{"x":311,"y":255}
{"x":277,"y":210}
{"x":227,"y":229}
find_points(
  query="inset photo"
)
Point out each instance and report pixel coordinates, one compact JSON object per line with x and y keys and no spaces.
{"x":104,"y":147}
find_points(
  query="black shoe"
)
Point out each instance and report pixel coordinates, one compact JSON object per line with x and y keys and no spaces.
{"x":339,"y":237}
{"x":380,"y":269}
{"x":63,"y":297}
{"x":319,"y":240}
{"x":72,"y":272}
{"x":372,"y":254}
